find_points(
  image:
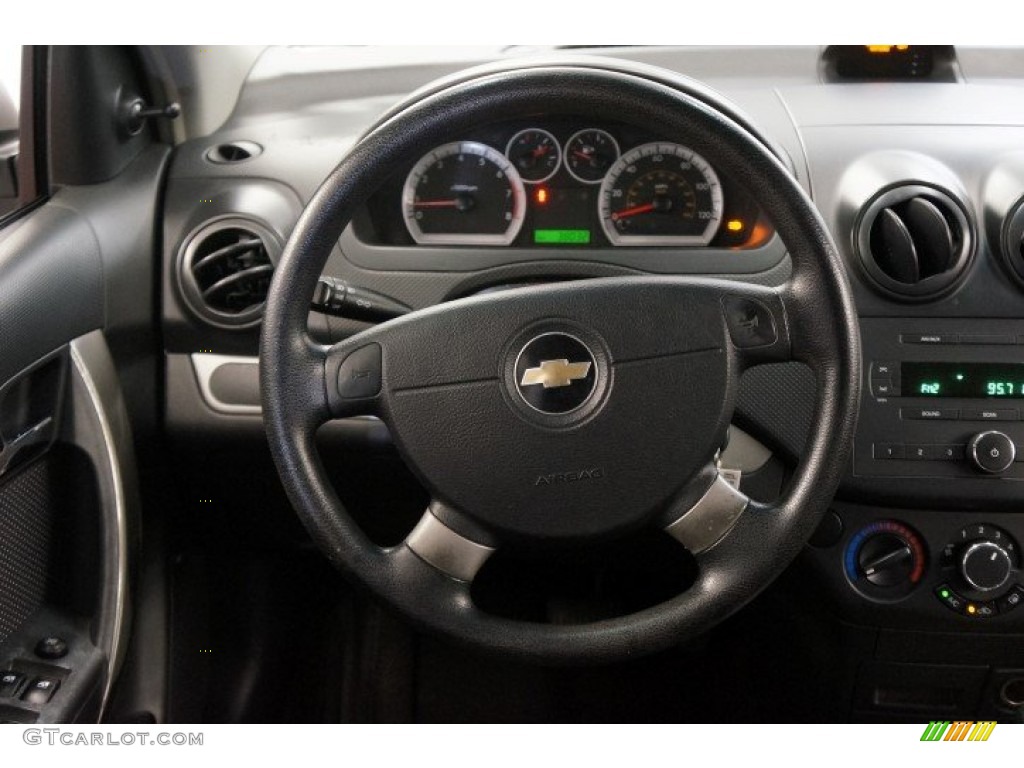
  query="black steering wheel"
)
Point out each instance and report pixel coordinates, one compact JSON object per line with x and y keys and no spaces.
{"x":568,"y":412}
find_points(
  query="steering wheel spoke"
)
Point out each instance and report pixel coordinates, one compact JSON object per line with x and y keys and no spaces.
{"x":435,"y":541}
{"x":699,"y":525}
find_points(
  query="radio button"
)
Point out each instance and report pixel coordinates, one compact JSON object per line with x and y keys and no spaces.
{"x":916,"y":452}
{"x":888,"y":450}
{"x":885,"y":370}
{"x":930,"y":338}
{"x":930,"y":414}
{"x":990,"y":414}
{"x":883,"y":388}
{"x":952,"y":452}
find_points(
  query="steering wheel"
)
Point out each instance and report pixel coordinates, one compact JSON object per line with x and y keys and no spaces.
{"x":569,"y":412}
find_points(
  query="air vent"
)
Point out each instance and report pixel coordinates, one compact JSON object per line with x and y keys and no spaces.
{"x":224,"y":270}
{"x":233,"y":152}
{"x":915,"y":242}
{"x":1013,"y":241}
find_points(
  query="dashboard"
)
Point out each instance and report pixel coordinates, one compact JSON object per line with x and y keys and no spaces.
{"x":562,"y":184}
{"x":921,"y":181}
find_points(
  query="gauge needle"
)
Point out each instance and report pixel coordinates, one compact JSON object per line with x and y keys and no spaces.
{"x":635,"y":210}
{"x":584,"y":156}
{"x":435,"y":204}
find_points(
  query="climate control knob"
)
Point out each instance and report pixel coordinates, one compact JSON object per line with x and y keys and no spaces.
{"x":885,"y":560}
{"x":991,"y":452}
{"x":985,"y":566}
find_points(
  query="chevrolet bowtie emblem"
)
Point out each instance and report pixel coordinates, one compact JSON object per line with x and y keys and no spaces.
{"x":555,"y":373}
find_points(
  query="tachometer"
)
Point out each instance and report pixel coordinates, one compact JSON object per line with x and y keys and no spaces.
{"x":660,"y":194}
{"x":464,"y":193}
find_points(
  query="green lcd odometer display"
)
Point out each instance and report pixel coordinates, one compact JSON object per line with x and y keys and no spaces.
{"x":967,"y":380}
{"x":561,"y":236}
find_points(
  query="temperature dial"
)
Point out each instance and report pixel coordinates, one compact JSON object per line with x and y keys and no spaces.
{"x":885,"y":560}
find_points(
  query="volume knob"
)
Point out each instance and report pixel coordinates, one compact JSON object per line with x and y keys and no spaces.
{"x":991,"y":452}
{"x":986,"y":566}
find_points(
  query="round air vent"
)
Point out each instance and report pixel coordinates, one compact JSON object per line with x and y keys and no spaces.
{"x":224,"y":269}
{"x":915,"y":241}
{"x":233,"y":152}
{"x":1012,"y":241}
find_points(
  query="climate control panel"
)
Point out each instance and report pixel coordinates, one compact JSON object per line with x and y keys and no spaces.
{"x":917,"y":564}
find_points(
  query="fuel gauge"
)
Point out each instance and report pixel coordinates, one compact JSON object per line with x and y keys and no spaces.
{"x":589,"y":154}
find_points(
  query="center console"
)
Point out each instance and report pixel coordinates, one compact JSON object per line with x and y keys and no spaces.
{"x":921,"y":552}
{"x":930,"y":531}
{"x":919,"y":558}
{"x":944,"y":399}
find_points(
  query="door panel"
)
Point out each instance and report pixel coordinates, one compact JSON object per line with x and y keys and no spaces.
{"x":51,"y":286}
{"x":76,"y":334}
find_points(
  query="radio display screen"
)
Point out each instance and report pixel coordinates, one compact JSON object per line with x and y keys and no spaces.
{"x":969,"y":380}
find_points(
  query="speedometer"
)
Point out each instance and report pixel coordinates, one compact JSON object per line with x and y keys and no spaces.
{"x":464,"y":193}
{"x":660,"y":194}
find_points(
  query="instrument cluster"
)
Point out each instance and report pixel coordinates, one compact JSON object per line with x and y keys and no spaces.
{"x":562,"y":183}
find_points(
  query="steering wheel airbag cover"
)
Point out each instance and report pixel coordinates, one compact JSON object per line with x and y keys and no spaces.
{"x":663,"y":385}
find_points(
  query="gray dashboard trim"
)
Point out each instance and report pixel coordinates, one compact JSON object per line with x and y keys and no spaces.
{"x":849,"y":105}
{"x":206,"y":364}
{"x":676,"y":261}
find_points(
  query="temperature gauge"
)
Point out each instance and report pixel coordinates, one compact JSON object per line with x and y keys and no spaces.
{"x":535,"y":154}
